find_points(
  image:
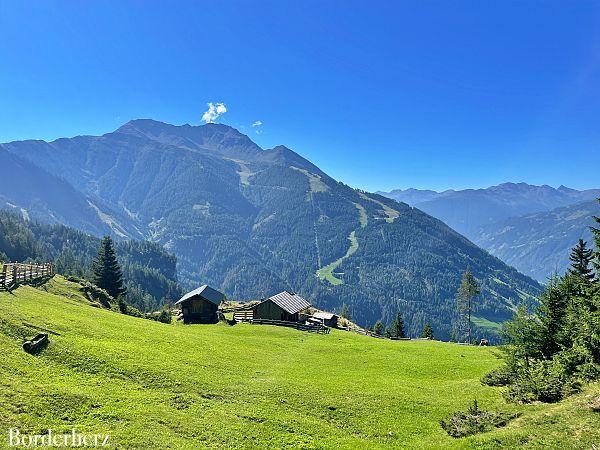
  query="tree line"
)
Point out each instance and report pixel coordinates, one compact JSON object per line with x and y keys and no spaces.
{"x":552,"y":350}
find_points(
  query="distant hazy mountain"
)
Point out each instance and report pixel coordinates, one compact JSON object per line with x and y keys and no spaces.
{"x":252,"y":222}
{"x":468,"y":210}
{"x":35,"y":194}
{"x":412,"y":196}
{"x":517,"y":222}
{"x":539,"y":244}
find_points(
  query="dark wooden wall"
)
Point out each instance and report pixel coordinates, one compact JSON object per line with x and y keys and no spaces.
{"x":199,"y":310}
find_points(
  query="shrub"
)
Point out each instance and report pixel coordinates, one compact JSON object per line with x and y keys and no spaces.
{"x":474,"y":421}
{"x":545,"y":381}
{"x":164,"y":316}
{"x":502,"y":376}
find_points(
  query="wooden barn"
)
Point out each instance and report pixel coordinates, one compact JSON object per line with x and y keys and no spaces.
{"x":200,"y":305}
{"x":325,"y":318}
{"x":283,"y":306}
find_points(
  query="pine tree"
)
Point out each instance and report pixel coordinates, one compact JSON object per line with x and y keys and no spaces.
{"x":467,"y":290}
{"x":388,"y":332}
{"x":398,"y":326}
{"x":378,"y":328}
{"x":427,"y":332}
{"x":551,"y":313}
{"x":453,"y":335}
{"x":596,"y":232}
{"x":581,"y":257}
{"x":106,"y":270}
{"x":345,"y":313}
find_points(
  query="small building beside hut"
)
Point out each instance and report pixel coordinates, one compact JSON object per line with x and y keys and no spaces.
{"x":325,"y":318}
{"x":201,"y":305}
{"x":283,"y":306}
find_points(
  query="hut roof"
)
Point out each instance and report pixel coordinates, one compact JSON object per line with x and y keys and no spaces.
{"x":289,"y":302}
{"x":324,"y":315}
{"x":206,"y":292}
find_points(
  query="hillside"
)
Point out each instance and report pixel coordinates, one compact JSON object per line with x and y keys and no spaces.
{"x":252,"y":222}
{"x":547,"y":236}
{"x":468,"y":210}
{"x":149,"y":271}
{"x":531,"y":228}
{"x":151,"y":385}
{"x":36,"y":194}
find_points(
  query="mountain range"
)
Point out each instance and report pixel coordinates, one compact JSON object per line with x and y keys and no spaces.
{"x":529,"y":227}
{"x":252,"y":222}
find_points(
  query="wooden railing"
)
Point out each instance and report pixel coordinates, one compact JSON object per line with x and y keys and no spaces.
{"x":244,"y":315}
{"x":15,"y":273}
{"x":321,"y":329}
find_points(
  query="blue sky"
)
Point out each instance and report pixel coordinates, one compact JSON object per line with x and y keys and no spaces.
{"x":426,"y":94}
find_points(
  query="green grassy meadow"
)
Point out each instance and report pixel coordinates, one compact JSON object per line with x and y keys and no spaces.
{"x":154,"y":385}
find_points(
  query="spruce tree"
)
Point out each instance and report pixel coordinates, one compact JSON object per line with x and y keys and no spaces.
{"x":453,"y":335}
{"x":398,"y":326}
{"x":427,"y":332}
{"x":345,"y":313}
{"x":581,"y":257}
{"x":378,"y":328}
{"x":467,"y":290}
{"x":106,"y":270}
{"x":596,"y":233}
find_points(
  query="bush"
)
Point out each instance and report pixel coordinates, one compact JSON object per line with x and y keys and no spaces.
{"x":474,"y":421}
{"x":545,"y":381}
{"x":164,"y":316}
{"x":502,"y":376}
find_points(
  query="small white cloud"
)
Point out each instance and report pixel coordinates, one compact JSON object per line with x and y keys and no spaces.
{"x":215,"y":110}
{"x":257,"y":126}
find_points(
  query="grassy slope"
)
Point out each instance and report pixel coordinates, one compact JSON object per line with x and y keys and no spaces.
{"x":152,"y":385}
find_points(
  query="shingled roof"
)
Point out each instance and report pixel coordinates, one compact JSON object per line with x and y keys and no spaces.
{"x":289,"y":302}
{"x":206,"y":292}
{"x":324,"y":315}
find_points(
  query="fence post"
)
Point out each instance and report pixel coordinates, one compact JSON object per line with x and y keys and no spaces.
{"x":4,"y":276}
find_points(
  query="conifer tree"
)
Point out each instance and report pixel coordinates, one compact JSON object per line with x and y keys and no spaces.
{"x":596,"y":233}
{"x":378,"y":328}
{"x":398,"y":326}
{"x":427,"y":332}
{"x":467,"y":290}
{"x":345,"y":313}
{"x":453,"y":335}
{"x":581,"y":257}
{"x":106,"y":270}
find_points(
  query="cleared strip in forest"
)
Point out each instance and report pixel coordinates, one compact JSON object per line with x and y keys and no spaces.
{"x":326,"y":273}
{"x":391,"y":213}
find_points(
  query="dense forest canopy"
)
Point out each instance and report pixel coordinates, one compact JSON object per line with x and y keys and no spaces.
{"x":252,"y":222}
{"x":149,"y":271}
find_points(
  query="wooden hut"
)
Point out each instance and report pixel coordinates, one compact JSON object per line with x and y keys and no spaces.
{"x":283,"y":306}
{"x":326,"y":318}
{"x":200,"y":305}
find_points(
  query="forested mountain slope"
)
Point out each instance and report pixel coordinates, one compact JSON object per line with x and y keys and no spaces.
{"x":531,"y":228}
{"x":252,"y":222}
{"x":149,"y":272}
{"x":468,"y":210}
{"x":36,"y":194}
{"x":539,"y":244}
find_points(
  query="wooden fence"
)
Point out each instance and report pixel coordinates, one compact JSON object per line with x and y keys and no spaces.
{"x":15,"y":273}
{"x":243,"y":315}
{"x":311,"y":328}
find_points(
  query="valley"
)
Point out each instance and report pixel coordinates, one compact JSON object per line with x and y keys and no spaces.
{"x":252,"y":222}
